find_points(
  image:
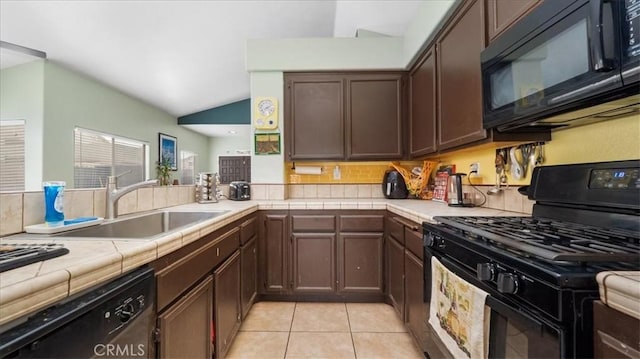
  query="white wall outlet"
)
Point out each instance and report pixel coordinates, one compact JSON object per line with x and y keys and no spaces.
{"x":475,"y":167}
{"x":336,"y":173}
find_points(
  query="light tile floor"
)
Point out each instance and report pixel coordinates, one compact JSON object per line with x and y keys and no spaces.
{"x":323,"y":330}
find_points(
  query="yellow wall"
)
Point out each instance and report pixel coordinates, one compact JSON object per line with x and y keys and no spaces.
{"x":611,"y":140}
{"x":350,"y":172}
{"x":603,"y":141}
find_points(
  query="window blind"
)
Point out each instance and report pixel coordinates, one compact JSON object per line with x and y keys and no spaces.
{"x":99,"y":155}
{"x":188,"y":163}
{"x":12,"y":155}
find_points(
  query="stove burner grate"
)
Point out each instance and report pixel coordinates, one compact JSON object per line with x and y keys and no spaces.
{"x":18,"y":255}
{"x":552,"y":240}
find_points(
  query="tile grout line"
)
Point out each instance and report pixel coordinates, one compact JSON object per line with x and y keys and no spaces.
{"x":293,"y":315}
{"x":353,"y":343}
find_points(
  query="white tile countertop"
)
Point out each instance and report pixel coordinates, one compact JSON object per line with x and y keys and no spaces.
{"x":90,"y":262}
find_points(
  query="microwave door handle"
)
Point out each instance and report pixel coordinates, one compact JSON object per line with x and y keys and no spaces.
{"x":600,"y":62}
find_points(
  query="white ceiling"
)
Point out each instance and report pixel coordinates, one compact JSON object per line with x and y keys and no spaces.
{"x":183,"y":56}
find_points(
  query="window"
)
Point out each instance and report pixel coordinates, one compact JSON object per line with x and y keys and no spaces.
{"x":99,"y":155}
{"x":12,"y":155}
{"x":188,"y":165}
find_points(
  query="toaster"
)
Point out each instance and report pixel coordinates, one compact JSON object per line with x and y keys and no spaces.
{"x":239,"y":191}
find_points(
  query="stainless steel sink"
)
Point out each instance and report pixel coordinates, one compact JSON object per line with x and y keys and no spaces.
{"x":145,"y":226}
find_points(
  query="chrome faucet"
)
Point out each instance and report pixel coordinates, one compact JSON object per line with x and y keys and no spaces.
{"x":114,"y":194}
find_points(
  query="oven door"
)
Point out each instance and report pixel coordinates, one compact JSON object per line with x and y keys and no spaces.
{"x":513,"y":332}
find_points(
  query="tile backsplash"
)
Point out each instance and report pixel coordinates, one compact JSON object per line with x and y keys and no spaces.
{"x":21,"y":209}
{"x":18,"y":210}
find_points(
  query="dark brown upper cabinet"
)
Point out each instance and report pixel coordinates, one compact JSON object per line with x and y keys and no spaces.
{"x":501,"y":14}
{"x":314,"y":116}
{"x":422,"y":112}
{"x":343,"y":116}
{"x":459,"y":77}
{"x":374,"y":116}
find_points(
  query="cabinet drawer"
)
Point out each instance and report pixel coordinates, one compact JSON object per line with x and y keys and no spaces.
{"x":362,"y":223}
{"x":175,"y":279}
{"x":248,"y":229}
{"x":413,"y":242}
{"x":395,"y":229}
{"x":615,"y":334}
{"x":313,"y":223}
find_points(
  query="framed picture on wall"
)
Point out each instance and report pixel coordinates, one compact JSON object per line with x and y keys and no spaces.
{"x":267,"y":143}
{"x":168,"y":150}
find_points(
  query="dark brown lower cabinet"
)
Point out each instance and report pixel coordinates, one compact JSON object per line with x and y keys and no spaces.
{"x":360,"y":257}
{"x":227,"y":303}
{"x":273,"y":252}
{"x":249,"y":272}
{"x":314,"y":262}
{"x":414,"y":306}
{"x":185,"y":327}
{"x":395,"y":274}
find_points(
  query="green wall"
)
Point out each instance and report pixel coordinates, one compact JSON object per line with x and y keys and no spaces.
{"x":235,"y":113}
{"x":74,"y":100}
{"x":22,"y":98}
{"x":66,"y":99}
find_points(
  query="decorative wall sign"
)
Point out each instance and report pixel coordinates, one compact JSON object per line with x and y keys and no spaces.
{"x":168,"y":150}
{"x":267,"y":143}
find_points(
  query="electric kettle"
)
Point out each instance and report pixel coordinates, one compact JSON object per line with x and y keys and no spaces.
{"x":456,"y":196}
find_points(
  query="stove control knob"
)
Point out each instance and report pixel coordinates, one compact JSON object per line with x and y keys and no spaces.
{"x":429,"y":240}
{"x":486,"y":271}
{"x":507,"y":283}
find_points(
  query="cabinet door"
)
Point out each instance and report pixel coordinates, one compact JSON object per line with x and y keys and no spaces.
{"x":185,"y":327}
{"x":395,"y":275}
{"x":314,"y":262}
{"x":314,"y":117}
{"x":234,"y":168}
{"x":360,"y":257}
{"x":415,"y":308}
{"x":273,"y":249}
{"x":227,"y":303}
{"x":501,"y":14}
{"x":423,"y":106}
{"x":459,"y":78}
{"x":249,"y":284}
{"x":374,"y":116}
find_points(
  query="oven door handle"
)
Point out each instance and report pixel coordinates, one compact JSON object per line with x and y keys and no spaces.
{"x":493,"y":302}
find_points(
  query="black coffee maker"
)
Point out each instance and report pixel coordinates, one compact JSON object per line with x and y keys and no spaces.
{"x":393,"y":185}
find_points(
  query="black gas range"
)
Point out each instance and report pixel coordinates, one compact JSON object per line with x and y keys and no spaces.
{"x":540,"y":270}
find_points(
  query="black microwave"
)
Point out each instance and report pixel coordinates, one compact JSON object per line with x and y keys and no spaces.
{"x":562,"y":58}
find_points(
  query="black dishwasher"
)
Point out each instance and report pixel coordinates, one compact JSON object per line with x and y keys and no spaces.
{"x":114,"y":320}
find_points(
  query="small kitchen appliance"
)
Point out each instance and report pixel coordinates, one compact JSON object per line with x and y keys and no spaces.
{"x":393,"y":185}
{"x":456,"y":197}
{"x":117,"y":317}
{"x":560,"y":57}
{"x":540,"y":271}
{"x":239,"y":191}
